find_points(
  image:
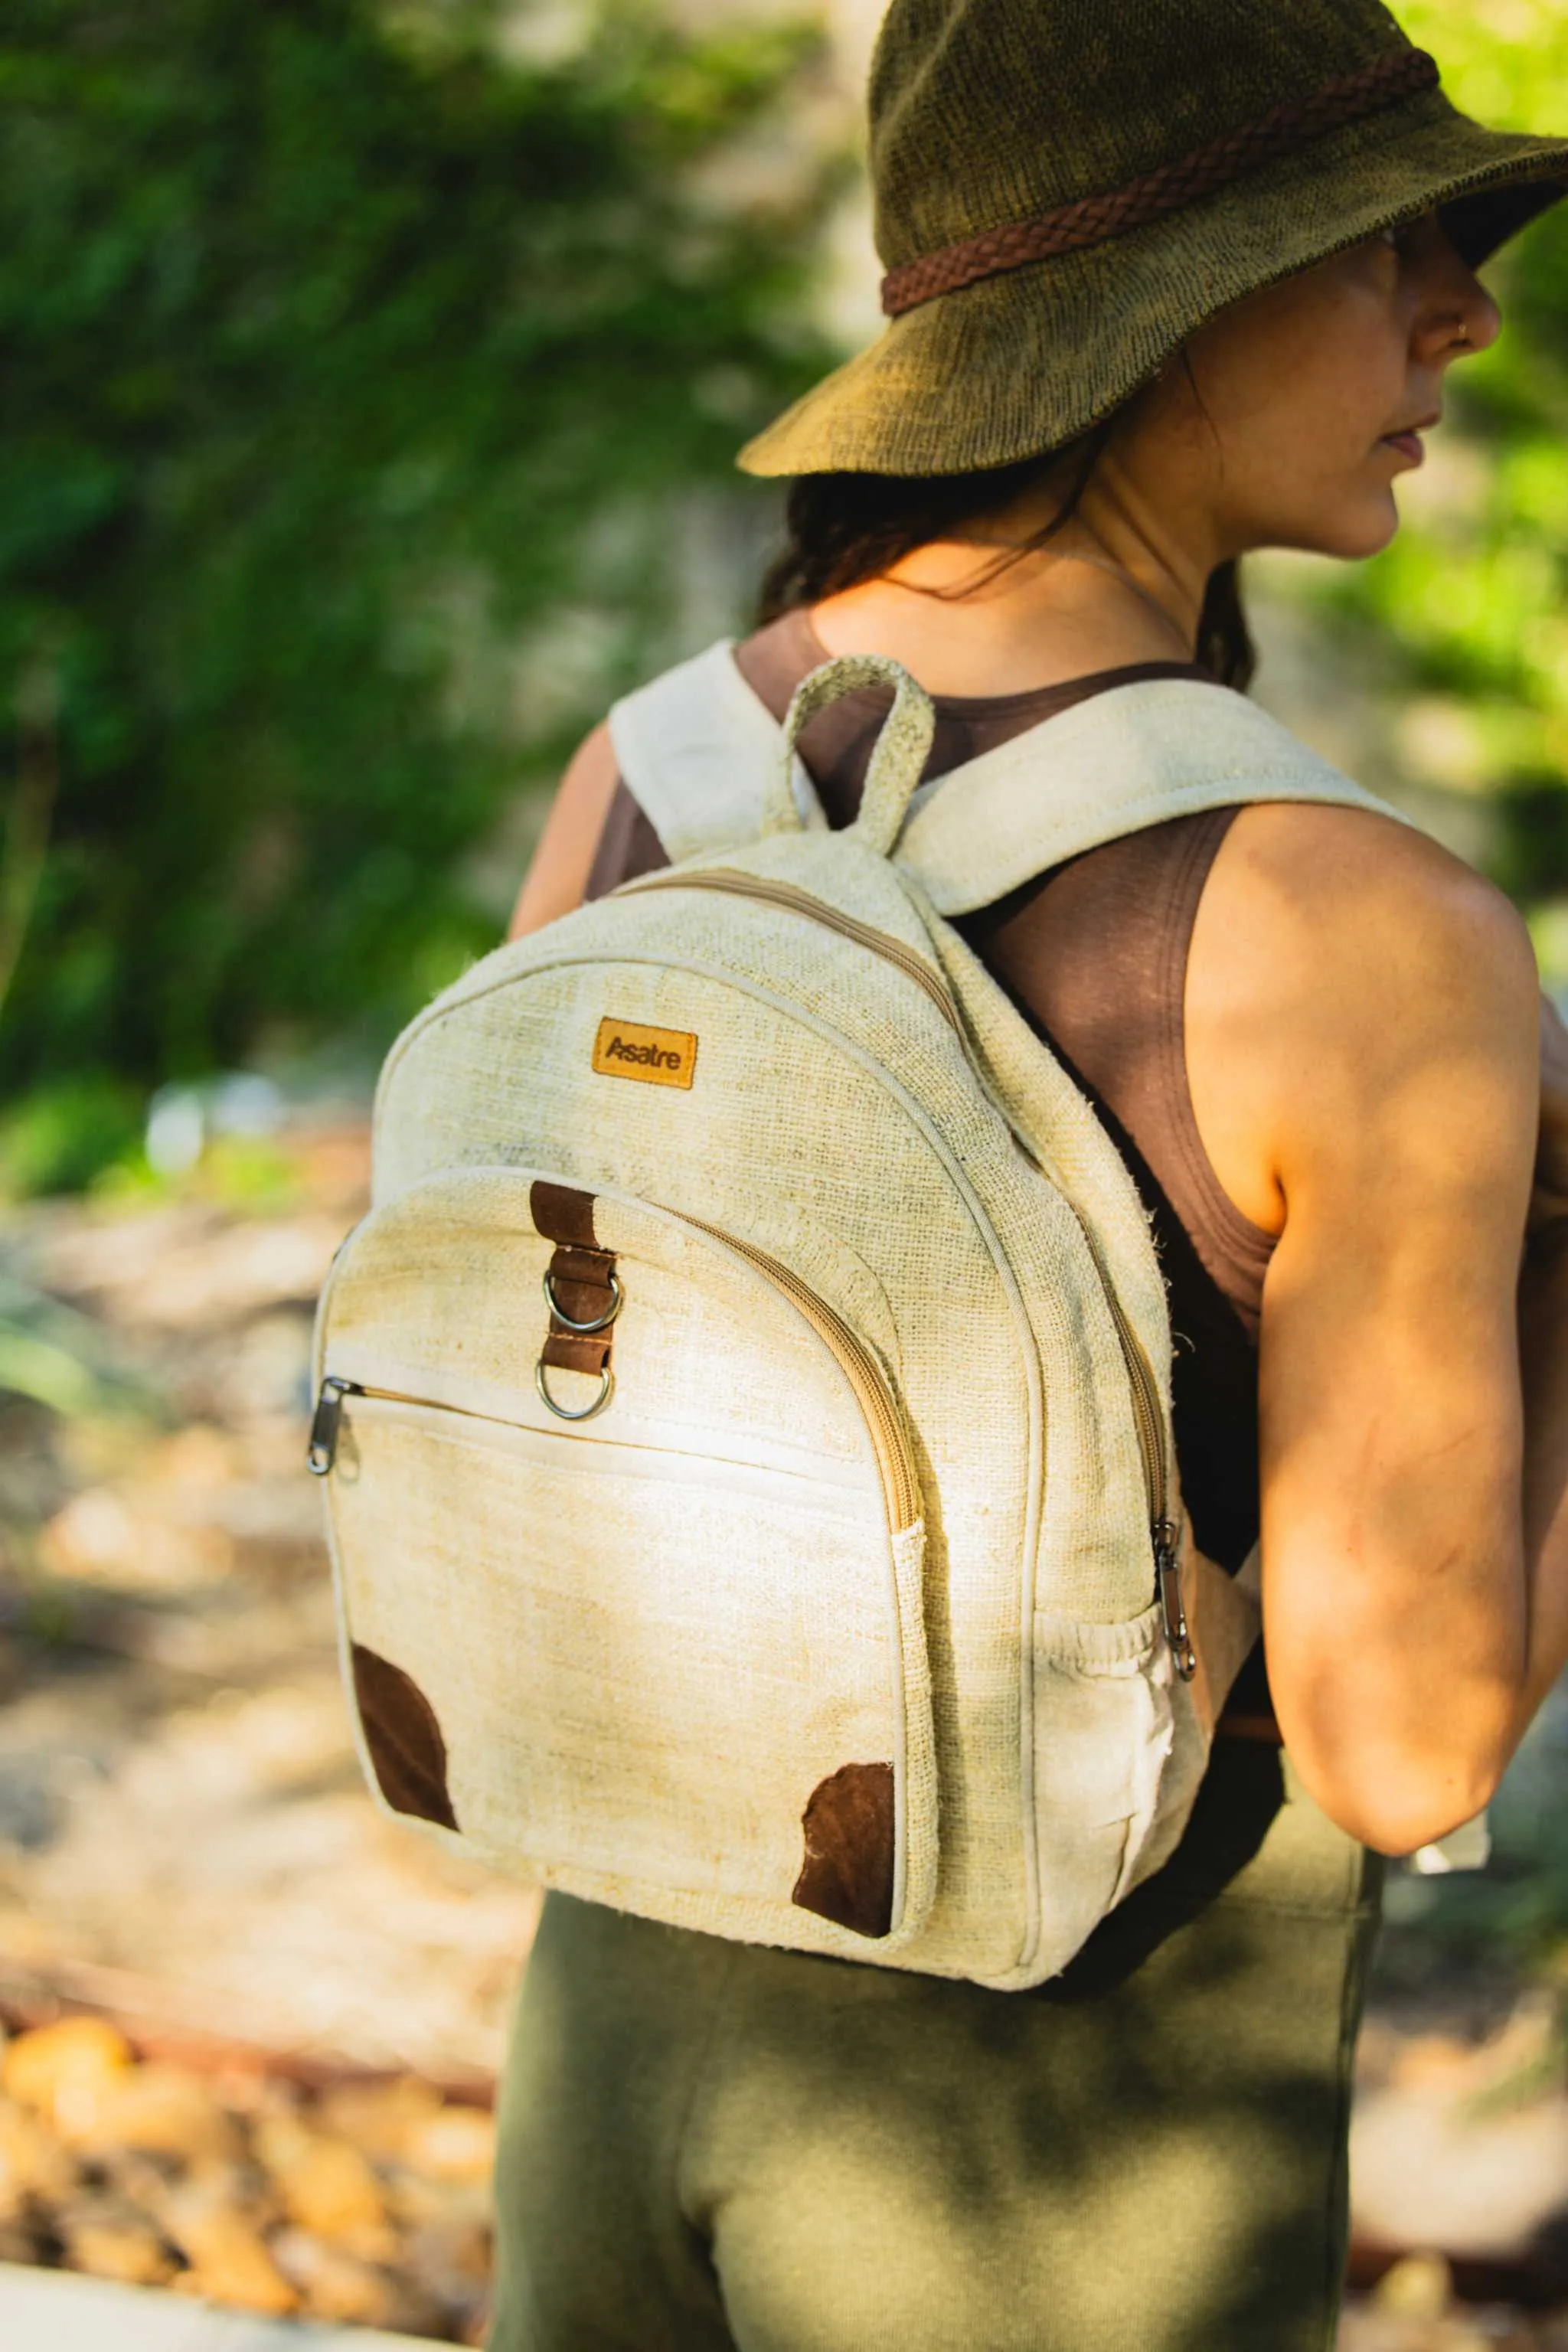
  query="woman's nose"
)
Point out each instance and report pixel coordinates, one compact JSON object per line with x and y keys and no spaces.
{"x":1458,"y":317}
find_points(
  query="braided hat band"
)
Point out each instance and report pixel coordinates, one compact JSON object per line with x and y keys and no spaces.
{"x":1349,"y":98}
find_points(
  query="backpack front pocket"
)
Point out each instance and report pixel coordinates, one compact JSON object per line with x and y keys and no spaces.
{"x":645,"y":1625}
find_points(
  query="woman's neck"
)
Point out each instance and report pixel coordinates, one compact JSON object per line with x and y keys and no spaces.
{"x":1110,"y":589}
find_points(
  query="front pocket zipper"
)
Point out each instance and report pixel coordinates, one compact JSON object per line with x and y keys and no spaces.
{"x":895,"y":1458}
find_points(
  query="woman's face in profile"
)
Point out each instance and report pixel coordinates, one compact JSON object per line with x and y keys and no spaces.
{"x":1305,"y":402}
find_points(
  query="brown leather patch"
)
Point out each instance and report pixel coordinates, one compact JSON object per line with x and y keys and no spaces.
{"x":563,"y":1214}
{"x":847,"y":1874}
{"x":404,"y":1739}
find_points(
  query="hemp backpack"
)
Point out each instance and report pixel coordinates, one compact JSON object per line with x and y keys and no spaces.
{"x":744,"y":1415}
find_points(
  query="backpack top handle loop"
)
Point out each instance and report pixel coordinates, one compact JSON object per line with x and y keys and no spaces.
{"x":898,"y":763}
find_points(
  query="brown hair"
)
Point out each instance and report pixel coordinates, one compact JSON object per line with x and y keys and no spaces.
{"x":842,"y":528}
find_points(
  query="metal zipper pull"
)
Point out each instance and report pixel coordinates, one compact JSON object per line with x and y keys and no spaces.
{"x":1168,"y":1592}
{"x":322,"y":1450}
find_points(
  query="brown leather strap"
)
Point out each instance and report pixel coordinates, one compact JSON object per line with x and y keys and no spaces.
{"x":576,"y":1351}
{"x":562,"y":1214}
{"x":1400,"y":74}
{"x":580,"y":1274}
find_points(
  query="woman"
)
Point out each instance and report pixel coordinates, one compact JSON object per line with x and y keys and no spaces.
{"x":1166,"y":287}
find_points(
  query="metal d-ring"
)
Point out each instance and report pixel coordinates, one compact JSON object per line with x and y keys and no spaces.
{"x":600,"y":1323}
{"x":606,"y":1390}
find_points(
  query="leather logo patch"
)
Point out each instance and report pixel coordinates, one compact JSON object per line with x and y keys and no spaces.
{"x":660,"y":1057}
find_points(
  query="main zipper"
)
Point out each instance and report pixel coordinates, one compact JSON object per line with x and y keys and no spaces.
{"x":736,"y":884}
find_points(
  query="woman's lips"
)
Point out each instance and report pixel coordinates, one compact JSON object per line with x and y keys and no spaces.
{"x":1410,"y":445}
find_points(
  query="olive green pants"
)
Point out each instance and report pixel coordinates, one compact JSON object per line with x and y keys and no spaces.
{"x":707,"y":2145}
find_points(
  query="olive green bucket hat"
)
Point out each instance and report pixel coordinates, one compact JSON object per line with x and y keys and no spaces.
{"x":1066,"y":189}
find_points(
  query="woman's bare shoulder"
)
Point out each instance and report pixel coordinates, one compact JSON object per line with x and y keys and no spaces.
{"x":1311,"y":888}
{"x":1340,"y":961}
{"x":558,"y":875}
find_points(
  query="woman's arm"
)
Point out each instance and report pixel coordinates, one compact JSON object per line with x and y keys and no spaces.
{"x":1363,"y":1040}
{"x":558,"y":875}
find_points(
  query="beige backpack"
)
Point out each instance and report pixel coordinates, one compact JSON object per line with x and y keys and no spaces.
{"x":744,"y":1415}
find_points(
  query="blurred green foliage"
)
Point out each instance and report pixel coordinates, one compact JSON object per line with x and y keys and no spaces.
{"x":361,"y":360}
{"x":353,"y":362}
{"x":1470,"y":600}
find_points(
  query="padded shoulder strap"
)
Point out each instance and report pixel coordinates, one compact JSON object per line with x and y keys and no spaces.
{"x":696,"y":750}
{"x":697,"y":747}
{"x":1132,"y":757}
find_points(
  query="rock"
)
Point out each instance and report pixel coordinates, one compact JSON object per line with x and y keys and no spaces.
{"x":32,"y":2162}
{"x":1367,"y":2328}
{"x":156,"y":2109}
{"x":95,"y":1537}
{"x":327,"y":2186}
{"x":199,"y":1456}
{"x":228,"y":2257}
{"x":60,"y":2071}
{"x":339,"y":2287}
{"x":1430,"y":2166}
{"x":109,"y":2239}
{"x":420,"y":2198}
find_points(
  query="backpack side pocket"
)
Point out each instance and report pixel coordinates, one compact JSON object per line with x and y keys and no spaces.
{"x":1105,"y":1732}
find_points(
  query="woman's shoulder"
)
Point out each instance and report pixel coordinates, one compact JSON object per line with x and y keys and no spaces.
{"x":1344,"y":967}
{"x":558,"y":875}
{"x":1364,"y":882}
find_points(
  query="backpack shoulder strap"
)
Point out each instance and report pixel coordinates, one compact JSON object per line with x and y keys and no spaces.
{"x":1133,"y":756}
{"x":697,"y":748}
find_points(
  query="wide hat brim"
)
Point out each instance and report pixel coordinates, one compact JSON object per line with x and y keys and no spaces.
{"x":1024,"y":363}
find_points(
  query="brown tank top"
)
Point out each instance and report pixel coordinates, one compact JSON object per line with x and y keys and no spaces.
{"x":1094,"y":954}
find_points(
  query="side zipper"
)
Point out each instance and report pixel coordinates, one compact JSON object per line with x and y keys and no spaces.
{"x":1152,"y":1447}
